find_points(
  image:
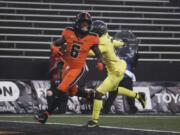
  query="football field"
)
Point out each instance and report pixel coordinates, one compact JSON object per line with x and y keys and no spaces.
{"x":74,"y":125}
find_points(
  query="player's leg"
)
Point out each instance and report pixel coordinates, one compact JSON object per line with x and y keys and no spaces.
{"x":108,"y":103}
{"x":78,"y":88}
{"x":70,"y":79}
{"x":60,"y":97}
{"x":122,"y":81}
{"x":108,"y":84}
{"x":62,"y":103}
{"x":56,"y":101}
{"x":54,"y":98}
{"x":127,"y":82}
{"x":127,"y":92}
{"x":130,"y":93}
{"x":51,"y":93}
{"x":119,"y":76}
{"x":97,"y":106}
{"x":82,"y":92}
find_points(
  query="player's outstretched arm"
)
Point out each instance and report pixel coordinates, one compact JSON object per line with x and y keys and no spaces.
{"x":118,"y":43}
{"x":97,"y":53}
{"x":100,"y":47}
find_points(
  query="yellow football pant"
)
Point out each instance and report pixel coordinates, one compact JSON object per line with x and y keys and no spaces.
{"x":111,"y":84}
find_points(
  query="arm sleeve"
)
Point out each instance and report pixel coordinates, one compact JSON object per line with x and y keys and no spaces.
{"x":117,"y":43}
{"x":101,"y":48}
{"x":97,"y":53}
{"x":95,"y":43}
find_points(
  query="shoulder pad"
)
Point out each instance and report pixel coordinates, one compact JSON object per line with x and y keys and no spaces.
{"x":70,"y":28}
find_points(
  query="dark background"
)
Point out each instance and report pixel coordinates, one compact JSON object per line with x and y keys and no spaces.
{"x":39,"y":70}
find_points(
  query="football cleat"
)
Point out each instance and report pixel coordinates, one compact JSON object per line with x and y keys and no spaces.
{"x":41,"y":117}
{"x":92,"y":124}
{"x":142,"y":99}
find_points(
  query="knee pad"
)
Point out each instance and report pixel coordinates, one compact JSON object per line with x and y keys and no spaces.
{"x":49,"y":93}
{"x":98,"y":95}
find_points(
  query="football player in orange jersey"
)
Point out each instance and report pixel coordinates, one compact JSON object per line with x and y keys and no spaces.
{"x":56,"y":71}
{"x":79,"y":41}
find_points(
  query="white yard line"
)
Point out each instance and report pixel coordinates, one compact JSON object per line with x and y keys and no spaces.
{"x":106,"y":116}
{"x":144,"y":130}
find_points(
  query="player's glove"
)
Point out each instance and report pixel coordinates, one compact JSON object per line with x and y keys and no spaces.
{"x":56,"y":50}
{"x":100,"y":66}
{"x":126,"y":41}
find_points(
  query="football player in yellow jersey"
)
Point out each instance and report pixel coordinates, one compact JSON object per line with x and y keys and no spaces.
{"x":115,"y":68}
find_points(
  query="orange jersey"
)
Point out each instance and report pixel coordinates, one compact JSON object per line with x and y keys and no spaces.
{"x":77,"y":49}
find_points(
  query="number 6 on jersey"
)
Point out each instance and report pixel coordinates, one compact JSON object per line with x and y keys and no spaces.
{"x":75,"y":50}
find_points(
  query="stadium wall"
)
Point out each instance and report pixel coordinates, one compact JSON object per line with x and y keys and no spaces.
{"x":39,"y":70}
{"x":158,"y":80}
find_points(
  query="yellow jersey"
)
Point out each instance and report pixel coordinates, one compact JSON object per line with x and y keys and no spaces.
{"x":107,"y":47}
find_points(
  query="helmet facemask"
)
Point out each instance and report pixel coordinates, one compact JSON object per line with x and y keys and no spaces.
{"x":84,"y":26}
{"x":83,"y":22}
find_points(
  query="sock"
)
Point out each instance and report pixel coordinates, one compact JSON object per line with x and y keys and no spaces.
{"x":96,"y":109}
{"x":109,"y":102}
{"x":126,"y":92}
{"x":53,"y":106}
{"x":46,"y":113}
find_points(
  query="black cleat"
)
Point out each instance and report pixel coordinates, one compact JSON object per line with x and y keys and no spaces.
{"x":133,"y":110}
{"x":142,"y":99}
{"x":92,"y":124}
{"x":41,"y":117}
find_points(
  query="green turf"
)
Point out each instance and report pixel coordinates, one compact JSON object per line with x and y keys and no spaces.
{"x":166,"y":123}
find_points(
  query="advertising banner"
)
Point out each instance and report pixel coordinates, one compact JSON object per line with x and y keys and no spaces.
{"x":30,"y":96}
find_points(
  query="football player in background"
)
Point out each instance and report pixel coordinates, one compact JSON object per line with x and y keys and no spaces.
{"x":77,"y":41}
{"x":115,"y":67}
